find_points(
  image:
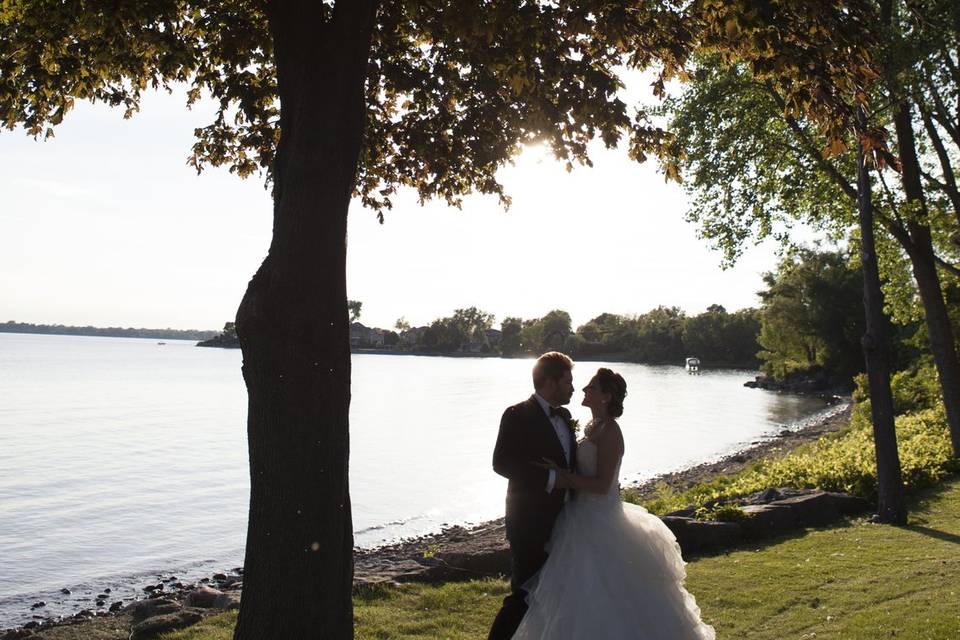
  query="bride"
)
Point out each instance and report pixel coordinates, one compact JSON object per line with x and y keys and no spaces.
{"x":614,"y":571}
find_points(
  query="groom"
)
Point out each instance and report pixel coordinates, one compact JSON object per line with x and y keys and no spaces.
{"x":535,"y":429}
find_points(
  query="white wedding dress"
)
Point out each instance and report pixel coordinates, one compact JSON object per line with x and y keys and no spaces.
{"x":614,"y":572}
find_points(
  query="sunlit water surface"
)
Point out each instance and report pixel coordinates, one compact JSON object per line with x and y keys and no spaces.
{"x":125,"y":459}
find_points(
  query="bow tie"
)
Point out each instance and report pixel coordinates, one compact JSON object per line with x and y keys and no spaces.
{"x":558,"y":411}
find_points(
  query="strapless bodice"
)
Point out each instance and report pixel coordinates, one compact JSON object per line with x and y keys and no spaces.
{"x":587,"y":466}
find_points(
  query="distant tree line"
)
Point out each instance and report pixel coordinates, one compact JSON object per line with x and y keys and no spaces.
{"x":665,"y":335}
{"x":111,"y":332}
{"x":808,"y":324}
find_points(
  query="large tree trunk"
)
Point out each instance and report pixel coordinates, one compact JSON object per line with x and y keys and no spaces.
{"x":890,"y":504}
{"x":922,"y":258}
{"x":294,"y":333}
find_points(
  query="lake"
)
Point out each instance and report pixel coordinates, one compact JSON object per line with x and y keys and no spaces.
{"x":123,"y":459}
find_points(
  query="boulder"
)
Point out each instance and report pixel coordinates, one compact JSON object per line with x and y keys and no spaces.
{"x":204,"y":597}
{"x":154,"y":626}
{"x":696,"y":536}
{"x":209,"y":598}
{"x":768,"y":520}
{"x":489,"y":561}
{"x":143,"y":609}
{"x":813,"y":509}
{"x":848,"y":505}
{"x":762,"y":497}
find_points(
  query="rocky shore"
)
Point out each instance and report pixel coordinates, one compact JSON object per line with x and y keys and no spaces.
{"x":459,"y":553}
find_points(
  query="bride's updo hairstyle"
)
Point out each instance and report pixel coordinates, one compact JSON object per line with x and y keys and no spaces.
{"x":616,"y":386}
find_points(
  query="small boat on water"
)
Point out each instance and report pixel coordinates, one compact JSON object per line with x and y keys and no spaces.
{"x":693,"y":366}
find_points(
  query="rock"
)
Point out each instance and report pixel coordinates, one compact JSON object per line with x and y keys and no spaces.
{"x":16,"y":634}
{"x":686,"y":512}
{"x":822,"y":507}
{"x":143,"y":609}
{"x":768,"y":519}
{"x":116,"y":606}
{"x":150,"y":588}
{"x":65,"y":591}
{"x":219,"y":577}
{"x":38,"y":605}
{"x":696,"y":536}
{"x":152,"y":627}
{"x":204,"y":597}
{"x":464,"y":564}
{"x":762,"y":497}
{"x":848,"y":505}
{"x":227,"y":602}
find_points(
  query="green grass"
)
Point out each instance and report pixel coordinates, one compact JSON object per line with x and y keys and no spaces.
{"x":856,"y":581}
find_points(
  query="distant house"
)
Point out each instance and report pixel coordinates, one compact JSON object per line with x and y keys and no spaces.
{"x":358,"y":334}
{"x":493,"y":336}
{"x":474,"y":347}
{"x":365,"y":337}
{"x":411,"y":336}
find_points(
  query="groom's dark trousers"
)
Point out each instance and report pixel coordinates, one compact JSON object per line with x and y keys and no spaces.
{"x":526,"y":437}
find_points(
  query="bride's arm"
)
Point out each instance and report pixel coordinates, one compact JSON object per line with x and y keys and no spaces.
{"x":609,"y":450}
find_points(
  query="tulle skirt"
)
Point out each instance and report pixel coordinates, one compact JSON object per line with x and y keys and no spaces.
{"x":614,"y":571}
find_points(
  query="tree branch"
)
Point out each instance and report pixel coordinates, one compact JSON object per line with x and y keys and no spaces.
{"x":950,"y":268}
{"x":942,"y":114}
{"x":948,"y":62}
{"x":890,"y":199}
{"x":810,"y":148}
{"x":949,"y":184}
{"x":894,"y":225}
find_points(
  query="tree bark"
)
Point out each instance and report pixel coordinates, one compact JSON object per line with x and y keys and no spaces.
{"x":294,"y":334}
{"x":890,"y":504}
{"x":923,"y":260}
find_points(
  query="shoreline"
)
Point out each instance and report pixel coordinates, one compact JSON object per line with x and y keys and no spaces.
{"x":459,"y":552}
{"x":476,"y":549}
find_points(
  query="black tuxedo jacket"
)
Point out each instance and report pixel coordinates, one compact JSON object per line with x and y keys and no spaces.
{"x":526,"y":436}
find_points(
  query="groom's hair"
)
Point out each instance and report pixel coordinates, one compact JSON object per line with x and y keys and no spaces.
{"x":550,"y":366}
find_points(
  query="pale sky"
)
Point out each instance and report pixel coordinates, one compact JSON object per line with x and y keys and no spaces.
{"x":107,"y":225}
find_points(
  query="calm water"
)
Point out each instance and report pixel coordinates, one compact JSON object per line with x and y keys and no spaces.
{"x":123,"y":459}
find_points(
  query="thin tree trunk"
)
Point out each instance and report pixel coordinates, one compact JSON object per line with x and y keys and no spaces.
{"x":922,"y":258}
{"x":294,"y":333}
{"x":916,"y":241}
{"x":890,"y":503}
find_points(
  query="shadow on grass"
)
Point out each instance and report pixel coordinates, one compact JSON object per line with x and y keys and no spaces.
{"x":934,"y":533}
{"x":919,"y":499}
{"x":761,"y":543}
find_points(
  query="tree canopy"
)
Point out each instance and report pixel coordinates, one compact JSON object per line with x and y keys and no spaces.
{"x":342,"y":98}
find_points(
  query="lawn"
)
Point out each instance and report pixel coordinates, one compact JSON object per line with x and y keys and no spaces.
{"x":854,"y":581}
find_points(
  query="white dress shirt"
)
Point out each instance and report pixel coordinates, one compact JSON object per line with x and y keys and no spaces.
{"x":562,"y":430}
